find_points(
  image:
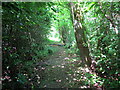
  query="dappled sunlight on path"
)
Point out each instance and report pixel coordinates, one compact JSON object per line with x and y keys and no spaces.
{"x":63,"y":70}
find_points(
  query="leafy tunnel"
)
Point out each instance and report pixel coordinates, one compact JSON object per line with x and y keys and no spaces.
{"x":60,"y":45}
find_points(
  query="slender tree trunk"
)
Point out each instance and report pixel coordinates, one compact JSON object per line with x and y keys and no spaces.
{"x":79,"y":33}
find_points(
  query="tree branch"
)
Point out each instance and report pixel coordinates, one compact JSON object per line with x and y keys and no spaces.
{"x":110,"y":19}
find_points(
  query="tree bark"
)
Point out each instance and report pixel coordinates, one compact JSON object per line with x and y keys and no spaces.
{"x":79,"y":29}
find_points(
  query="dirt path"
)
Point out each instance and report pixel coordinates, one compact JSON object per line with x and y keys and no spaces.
{"x":62,"y":71}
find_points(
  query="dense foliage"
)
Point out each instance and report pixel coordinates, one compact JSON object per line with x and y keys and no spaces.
{"x":25,"y":28}
{"x":103,"y":40}
{"x":28,"y":26}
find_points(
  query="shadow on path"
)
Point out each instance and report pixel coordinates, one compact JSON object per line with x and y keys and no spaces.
{"x":62,"y":71}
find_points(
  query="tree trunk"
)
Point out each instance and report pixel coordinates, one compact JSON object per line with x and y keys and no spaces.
{"x":79,"y":34}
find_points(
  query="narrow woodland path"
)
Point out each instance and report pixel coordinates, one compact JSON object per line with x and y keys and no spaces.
{"x":62,"y":70}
